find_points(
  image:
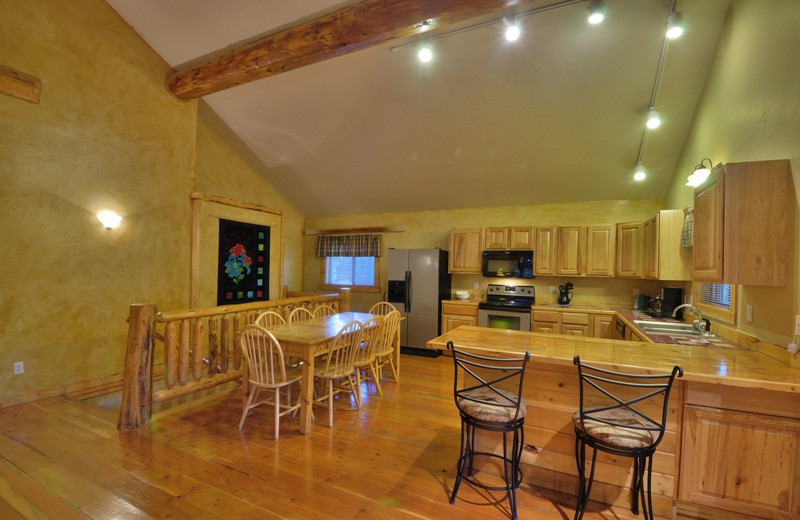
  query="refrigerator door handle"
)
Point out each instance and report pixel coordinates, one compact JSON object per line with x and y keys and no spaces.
{"x":408,"y":291}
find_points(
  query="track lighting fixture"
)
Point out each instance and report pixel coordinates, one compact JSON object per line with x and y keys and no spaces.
{"x":425,"y":53}
{"x":653,"y":118}
{"x":597,"y":11}
{"x":675,"y":25}
{"x":639,"y":174}
{"x":512,"y":32}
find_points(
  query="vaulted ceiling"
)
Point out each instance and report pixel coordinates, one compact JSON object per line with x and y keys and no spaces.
{"x":557,"y":116}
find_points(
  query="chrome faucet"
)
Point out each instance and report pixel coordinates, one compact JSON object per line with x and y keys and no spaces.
{"x":701,"y":324}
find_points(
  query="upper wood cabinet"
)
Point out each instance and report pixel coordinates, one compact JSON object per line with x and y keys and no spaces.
{"x":466,"y":249}
{"x":663,"y":258}
{"x":629,"y":249}
{"x":544,"y":259}
{"x":744,"y":220}
{"x":600,"y":250}
{"x":520,"y":237}
{"x":570,"y":250}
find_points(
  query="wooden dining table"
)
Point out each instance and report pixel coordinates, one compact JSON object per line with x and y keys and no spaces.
{"x":307,"y":340}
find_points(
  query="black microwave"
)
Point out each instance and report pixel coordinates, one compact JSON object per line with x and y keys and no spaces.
{"x":507,"y":264}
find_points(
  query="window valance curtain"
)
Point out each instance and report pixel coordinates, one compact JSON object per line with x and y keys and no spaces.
{"x":348,"y":245}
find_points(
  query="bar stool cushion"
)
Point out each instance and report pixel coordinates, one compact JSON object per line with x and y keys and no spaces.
{"x":480,"y":410}
{"x":610,"y":434}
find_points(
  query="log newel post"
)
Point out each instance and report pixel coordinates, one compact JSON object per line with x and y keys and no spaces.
{"x":345,"y":293}
{"x":137,"y":382}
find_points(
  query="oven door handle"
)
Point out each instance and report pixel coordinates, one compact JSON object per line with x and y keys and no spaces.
{"x":408,"y":291}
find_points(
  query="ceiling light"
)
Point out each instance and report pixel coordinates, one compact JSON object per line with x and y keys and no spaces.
{"x":674,"y":25}
{"x":653,"y":118}
{"x":109,"y":219}
{"x":512,"y":33}
{"x":701,"y":173}
{"x":639,"y":174}
{"x":425,"y":53}
{"x":597,"y":11}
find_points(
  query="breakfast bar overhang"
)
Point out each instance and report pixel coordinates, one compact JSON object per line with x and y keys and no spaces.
{"x":733,"y":435}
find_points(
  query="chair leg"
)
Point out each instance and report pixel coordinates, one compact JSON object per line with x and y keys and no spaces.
{"x":462,"y":461}
{"x":585,"y":486}
{"x":373,"y":368}
{"x":246,"y":407}
{"x":277,"y":410}
{"x":330,"y":403}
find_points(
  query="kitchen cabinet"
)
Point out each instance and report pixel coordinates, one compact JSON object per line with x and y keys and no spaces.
{"x":744,"y":216}
{"x":722,"y":424}
{"x":455,"y":314}
{"x":570,"y":250}
{"x":629,"y":250}
{"x":520,"y":237}
{"x":575,"y":324}
{"x":466,"y":250}
{"x":600,"y":250}
{"x":663,"y":258}
{"x":544,"y":260}
{"x":601,"y":325}
{"x":569,"y":322}
{"x":546,"y":321}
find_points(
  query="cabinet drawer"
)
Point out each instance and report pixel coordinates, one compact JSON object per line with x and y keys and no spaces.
{"x":460,"y":309}
{"x":575,"y":318}
{"x":548,"y":316}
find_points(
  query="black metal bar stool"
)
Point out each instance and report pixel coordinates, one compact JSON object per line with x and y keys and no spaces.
{"x":488,"y":395}
{"x":620,"y":420}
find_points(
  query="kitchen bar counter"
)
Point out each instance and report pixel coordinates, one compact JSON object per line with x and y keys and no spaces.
{"x":739,"y":368}
{"x":733,"y":427}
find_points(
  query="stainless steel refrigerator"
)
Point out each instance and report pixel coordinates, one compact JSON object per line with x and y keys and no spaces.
{"x":418,"y":282}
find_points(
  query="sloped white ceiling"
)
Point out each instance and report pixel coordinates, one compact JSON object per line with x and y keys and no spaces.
{"x":557,"y":116}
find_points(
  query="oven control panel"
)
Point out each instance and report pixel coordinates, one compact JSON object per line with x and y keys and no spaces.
{"x":510,"y":290}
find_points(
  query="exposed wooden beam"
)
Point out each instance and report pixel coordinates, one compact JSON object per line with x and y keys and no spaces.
{"x":358,"y":26}
{"x":19,"y":84}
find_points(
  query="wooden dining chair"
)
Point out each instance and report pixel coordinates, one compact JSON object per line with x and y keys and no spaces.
{"x":337,"y":367}
{"x":385,"y":348}
{"x":365,"y":364}
{"x":323,"y":310}
{"x":300,"y":314}
{"x":267,"y":370}
{"x":268,"y":319}
{"x":382,"y":308}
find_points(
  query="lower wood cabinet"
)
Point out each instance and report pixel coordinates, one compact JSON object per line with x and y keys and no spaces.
{"x":740,"y":453}
{"x":455,"y":314}
{"x":570,"y":323}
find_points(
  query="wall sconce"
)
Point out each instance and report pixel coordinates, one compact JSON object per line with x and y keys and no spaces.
{"x":109,"y":219}
{"x":701,"y":172}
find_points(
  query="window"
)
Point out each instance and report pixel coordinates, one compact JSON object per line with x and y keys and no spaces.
{"x":717,"y":300}
{"x":356,"y":272}
{"x":349,"y":261}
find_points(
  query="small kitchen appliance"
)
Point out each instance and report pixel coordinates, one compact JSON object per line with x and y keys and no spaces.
{"x":671,"y":297}
{"x":565,"y":293}
{"x":507,"y":307}
{"x":507,"y":264}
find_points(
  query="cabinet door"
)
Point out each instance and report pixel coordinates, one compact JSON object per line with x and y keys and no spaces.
{"x":740,"y":461}
{"x":601,"y":325}
{"x":451,"y":321}
{"x":629,"y":250}
{"x":571,"y":250}
{"x":520,"y":237}
{"x":650,"y":248}
{"x":574,"y":330}
{"x":544,"y":326}
{"x":674,"y":262}
{"x":496,"y":238}
{"x":466,"y":248}
{"x":545,"y":257}
{"x":707,"y":242}
{"x":600,"y":250}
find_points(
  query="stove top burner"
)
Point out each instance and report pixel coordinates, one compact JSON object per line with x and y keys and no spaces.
{"x":512,"y":297}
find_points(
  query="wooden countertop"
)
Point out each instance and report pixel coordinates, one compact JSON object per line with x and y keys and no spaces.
{"x":738,"y":368}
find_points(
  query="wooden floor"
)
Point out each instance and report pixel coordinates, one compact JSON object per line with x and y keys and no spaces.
{"x":395,"y":459}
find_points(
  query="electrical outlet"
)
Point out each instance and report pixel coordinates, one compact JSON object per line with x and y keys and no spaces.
{"x":749,"y":313}
{"x":797,"y":325}
{"x":636,"y":292}
{"x":552,"y":289}
{"x":475,"y":286}
{"x":19,"y":367}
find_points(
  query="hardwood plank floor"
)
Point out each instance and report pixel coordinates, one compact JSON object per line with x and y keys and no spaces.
{"x":394,"y":459}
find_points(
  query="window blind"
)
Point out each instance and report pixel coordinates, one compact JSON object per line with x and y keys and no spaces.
{"x":718,"y":294}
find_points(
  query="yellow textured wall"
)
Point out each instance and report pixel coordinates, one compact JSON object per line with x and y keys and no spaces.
{"x":427,"y":229}
{"x":221,"y":172}
{"x":750,"y":111}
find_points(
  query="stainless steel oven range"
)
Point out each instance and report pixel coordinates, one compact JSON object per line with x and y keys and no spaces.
{"x":507,"y":307}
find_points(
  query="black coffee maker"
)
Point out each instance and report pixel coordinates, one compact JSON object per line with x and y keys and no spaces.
{"x":671,"y":297}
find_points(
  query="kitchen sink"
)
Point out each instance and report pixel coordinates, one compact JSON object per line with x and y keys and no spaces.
{"x":669,"y":328}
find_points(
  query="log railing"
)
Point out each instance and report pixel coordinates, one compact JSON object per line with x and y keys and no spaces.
{"x":199,"y":349}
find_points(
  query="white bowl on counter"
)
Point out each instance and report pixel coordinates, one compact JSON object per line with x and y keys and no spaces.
{"x":462,"y":295}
